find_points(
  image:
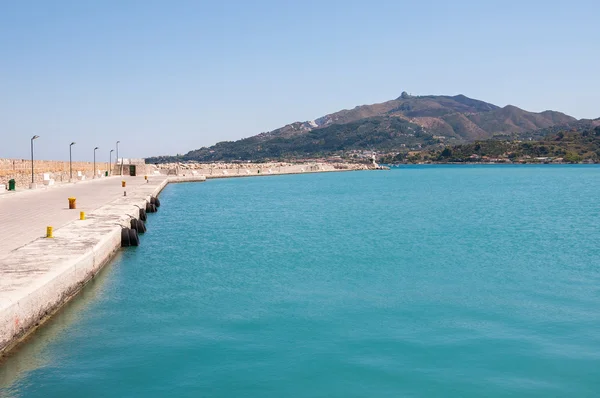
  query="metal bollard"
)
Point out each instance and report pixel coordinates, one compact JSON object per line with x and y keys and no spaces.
{"x":49,"y":231}
{"x":82,"y":215}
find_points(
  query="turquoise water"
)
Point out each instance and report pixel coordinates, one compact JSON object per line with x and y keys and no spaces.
{"x":422,"y":282}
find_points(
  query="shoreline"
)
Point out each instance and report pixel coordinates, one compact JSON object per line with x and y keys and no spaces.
{"x":40,"y":277}
{"x":43,"y":275}
{"x":488,"y":164}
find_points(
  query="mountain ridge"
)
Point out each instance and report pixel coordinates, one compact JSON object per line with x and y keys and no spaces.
{"x":405,"y":122}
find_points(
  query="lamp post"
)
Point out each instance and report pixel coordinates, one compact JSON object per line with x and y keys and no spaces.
{"x":121,"y":171}
{"x":35,"y":137}
{"x":95,"y":162}
{"x":110,"y":162}
{"x":71,"y":161}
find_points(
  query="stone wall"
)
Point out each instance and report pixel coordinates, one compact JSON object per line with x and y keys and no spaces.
{"x":20,"y":170}
{"x":212,"y":170}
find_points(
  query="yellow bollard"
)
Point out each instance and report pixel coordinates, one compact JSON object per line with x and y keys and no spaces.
{"x":123,"y":183}
{"x":145,"y":177}
{"x":82,"y":215}
{"x":72,"y":203}
{"x":49,"y":232}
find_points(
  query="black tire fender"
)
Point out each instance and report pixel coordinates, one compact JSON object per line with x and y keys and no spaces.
{"x":125,"y":242}
{"x":134,"y":239}
{"x":141,"y":227}
{"x":143,"y":215}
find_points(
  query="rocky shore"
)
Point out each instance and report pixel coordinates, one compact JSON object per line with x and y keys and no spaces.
{"x":221,"y":170}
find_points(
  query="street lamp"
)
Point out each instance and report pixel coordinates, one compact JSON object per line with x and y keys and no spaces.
{"x":118,"y":156}
{"x":110,"y":162}
{"x":95,"y":162}
{"x":35,"y":137}
{"x":71,"y":160}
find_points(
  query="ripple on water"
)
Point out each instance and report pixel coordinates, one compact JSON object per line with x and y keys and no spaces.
{"x":437,"y":281}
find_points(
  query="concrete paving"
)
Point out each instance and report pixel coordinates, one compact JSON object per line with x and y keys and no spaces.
{"x":24,"y":215}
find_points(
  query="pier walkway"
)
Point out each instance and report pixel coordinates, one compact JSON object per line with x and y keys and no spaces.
{"x":24,"y":215}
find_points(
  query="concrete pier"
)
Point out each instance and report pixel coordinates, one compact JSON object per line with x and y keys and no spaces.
{"x":24,"y":215}
{"x":37,"y":274}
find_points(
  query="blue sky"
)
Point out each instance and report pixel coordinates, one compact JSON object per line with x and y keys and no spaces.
{"x":166,"y":77}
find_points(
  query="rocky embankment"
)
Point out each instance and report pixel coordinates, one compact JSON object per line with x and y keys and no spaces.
{"x":216,"y":170}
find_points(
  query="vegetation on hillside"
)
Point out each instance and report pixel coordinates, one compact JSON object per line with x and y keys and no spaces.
{"x":563,"y":146}
{"x":375,"y":133}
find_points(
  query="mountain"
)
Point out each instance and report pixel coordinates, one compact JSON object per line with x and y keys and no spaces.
{"x":410,"y":122}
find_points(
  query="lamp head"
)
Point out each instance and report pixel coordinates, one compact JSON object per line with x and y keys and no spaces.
{"x":112,"y":150}
{"x":95,"y":148}
{"x":35,"y":137}
{"x":118,"y":142}
{"x":72,"y":143}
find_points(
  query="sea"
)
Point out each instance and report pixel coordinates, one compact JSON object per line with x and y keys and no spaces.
{"x":420,"y":281}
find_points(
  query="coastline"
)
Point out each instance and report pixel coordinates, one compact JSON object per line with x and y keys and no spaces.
{"x":39,"y":278}
{"x":488,"y":164}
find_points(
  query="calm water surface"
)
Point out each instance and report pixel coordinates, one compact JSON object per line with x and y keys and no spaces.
{"x":421,"y":281}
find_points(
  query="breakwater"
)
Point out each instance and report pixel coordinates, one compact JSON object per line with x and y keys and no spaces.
{"x":38,"y":278}
{"x":20,"y":170}
{"x":60,"y":171}
{"x":223,"y":170}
